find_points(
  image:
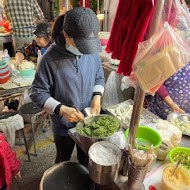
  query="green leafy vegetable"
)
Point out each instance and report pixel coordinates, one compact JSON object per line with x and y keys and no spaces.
{"x":182,"y":125}
{"x":102,"y":127}
{"x":184,"y":156}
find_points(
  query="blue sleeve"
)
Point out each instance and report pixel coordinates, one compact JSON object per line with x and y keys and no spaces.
{"x":100,"y":80}
{"x":43,"y":84}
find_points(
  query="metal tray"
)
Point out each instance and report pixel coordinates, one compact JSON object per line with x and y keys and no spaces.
{"x":182,"y":117}
{"x":147,"y":117}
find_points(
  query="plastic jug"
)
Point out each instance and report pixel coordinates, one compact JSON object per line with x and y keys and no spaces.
{"x":6,"y":56}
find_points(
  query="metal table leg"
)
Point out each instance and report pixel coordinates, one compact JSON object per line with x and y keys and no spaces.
{"x":34,"y":140}
{"x":27,"y":151}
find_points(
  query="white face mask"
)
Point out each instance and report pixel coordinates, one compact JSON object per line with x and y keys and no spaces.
{"x":73,"y":50}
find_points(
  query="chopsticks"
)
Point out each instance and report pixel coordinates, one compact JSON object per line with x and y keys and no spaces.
{"x":140,"y":158}
{"x":78,"y":112}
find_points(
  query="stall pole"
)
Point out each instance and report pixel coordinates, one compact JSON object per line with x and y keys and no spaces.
{"x":67,"y":5}
{"x":83,"y":3}
{"x":106,"y":16}
{"x":136,"y":114}
{"x":98,"y":7}
{"x":139,"y":93}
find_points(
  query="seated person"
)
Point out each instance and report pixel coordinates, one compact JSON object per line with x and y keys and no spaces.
{"x":173,"y":95}
{"x":42,"y":42}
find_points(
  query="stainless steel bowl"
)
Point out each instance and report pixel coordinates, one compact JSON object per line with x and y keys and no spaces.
{"x":182,"y":117}
{"x":104,"y":174}
{"x":87,"y":141}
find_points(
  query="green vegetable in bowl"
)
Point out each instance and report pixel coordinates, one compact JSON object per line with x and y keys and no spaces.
{"x":104,"y":126}
{"x":184,"y":156}
{"x":182,"y":125}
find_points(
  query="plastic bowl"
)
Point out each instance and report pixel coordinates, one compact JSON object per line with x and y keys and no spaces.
{"x":103,"y":42}
{"x":177,"y":149}
{"x":180,"y":174}
{"x":146,"y":134}
{"x":4,"y":79}
{"x":3,"y":64}
{"x":5,"y":73}
{"x":27,"y":73}
{"x":4,"y":70}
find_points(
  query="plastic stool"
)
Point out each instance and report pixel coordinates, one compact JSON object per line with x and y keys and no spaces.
{"x":30,"y":113}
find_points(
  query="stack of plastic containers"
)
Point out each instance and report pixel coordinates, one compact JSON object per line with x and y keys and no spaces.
{"x":4,"y":68}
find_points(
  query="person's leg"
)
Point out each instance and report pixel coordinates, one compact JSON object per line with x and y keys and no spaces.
{"x":82,"y":157}
{"x":64,"y":146}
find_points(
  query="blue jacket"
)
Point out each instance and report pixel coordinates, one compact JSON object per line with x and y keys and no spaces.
{"x":67,"y":79}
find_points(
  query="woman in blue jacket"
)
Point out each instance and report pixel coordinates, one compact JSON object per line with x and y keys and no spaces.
{"x":70,"y":74}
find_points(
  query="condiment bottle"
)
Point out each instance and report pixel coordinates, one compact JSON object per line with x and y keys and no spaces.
{"x":6,"y":56}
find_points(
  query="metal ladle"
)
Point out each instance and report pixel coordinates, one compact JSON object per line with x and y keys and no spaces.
{"x":179,"y":162}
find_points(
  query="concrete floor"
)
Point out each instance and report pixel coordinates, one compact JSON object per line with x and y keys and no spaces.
{"x":32,"y":171}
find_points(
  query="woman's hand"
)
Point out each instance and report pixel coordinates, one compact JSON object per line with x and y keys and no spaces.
{"x":176,"y":108}
{"x":96,"y":105}
{"x":18,"y":175}
{"x":173,"y":105}
{"x":19,"y":57}
{"x":71,"y":114}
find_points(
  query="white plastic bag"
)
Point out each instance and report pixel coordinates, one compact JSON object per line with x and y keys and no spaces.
{"x":127,"y":82}
{"x":119,"y":139}
{"x":110,"y":96}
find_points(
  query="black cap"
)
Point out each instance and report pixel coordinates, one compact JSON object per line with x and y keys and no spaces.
{"x":42,"y":29}
{"x":83,"y":26}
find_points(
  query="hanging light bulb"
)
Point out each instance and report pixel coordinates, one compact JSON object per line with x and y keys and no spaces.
{"x":99,"y":16}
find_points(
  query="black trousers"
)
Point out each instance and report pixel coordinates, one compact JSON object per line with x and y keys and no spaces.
{"x":65,"y":146}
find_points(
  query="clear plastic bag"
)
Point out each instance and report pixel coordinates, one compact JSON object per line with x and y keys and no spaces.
{"x":110,"y":97}
{"x":127,"y":82}
{"x":119,"y":139}
{"x":182,"y":20}
{"x":176,"y":13}
{"x":159,"y":58}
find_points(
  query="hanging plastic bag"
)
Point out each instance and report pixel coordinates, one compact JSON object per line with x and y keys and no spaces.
{"x":182,"y":20}
{"x":159,"y":58}
{"x":157,"y":20}
{"x":110,"y":97}
{"x":176,"y":13}
{"x":127,"y":82}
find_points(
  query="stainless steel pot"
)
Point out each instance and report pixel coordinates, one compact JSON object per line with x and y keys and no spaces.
{"x":87,"y":141}
{"x":104,"y":174}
